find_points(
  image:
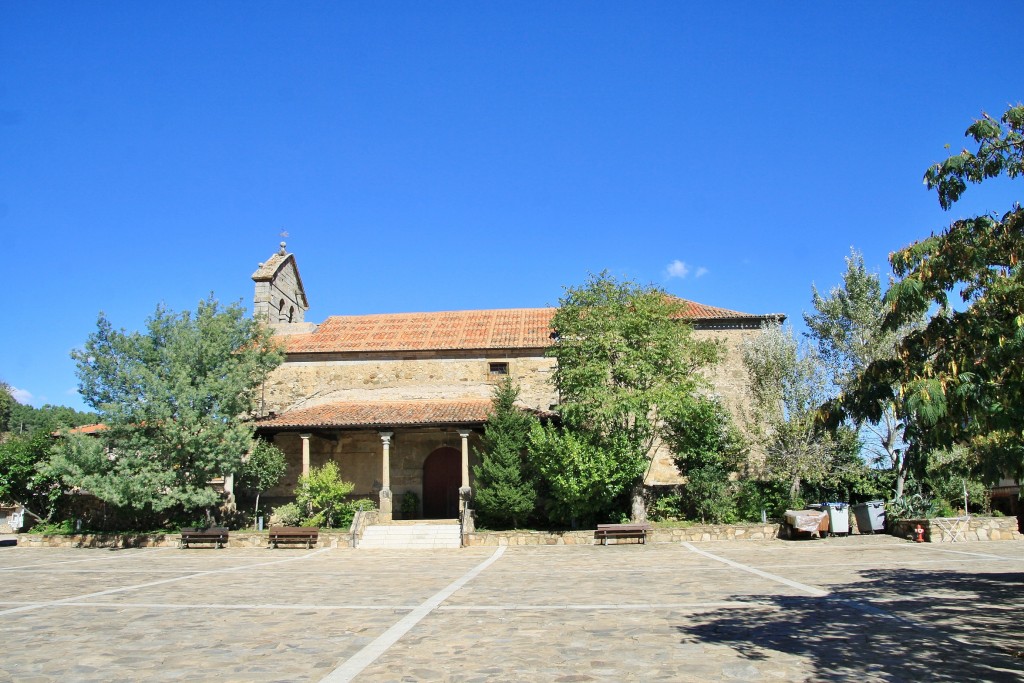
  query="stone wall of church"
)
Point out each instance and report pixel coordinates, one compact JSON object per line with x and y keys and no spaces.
{"x":303,"y":384}
{"x":729,"y":377}
{"x":730,"y":382}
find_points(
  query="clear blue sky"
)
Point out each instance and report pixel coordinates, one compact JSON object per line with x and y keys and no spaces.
{"x":440,"y":156}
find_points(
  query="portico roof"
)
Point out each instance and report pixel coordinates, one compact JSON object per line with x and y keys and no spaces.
{"x":382,"y":414}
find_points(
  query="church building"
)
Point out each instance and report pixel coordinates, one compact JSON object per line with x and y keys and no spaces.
{"x":399,"y":400}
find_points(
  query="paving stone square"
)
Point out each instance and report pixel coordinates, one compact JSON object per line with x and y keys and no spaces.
{"x":862,"y":608}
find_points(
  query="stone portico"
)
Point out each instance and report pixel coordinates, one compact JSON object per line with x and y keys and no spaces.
{"x":388,"y":450}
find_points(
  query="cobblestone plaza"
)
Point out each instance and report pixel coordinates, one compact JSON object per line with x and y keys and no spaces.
{"x":847,"y":609}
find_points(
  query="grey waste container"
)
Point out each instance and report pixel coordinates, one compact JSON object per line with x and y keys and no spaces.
{"x":870,"y":516}
{"x":838,"y":516}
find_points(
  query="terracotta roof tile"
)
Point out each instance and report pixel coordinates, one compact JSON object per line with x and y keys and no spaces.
{"x":88,"y":429}
{"x":495,"y":329}
{"x":514,"y":328}
{"x":383,"y":414}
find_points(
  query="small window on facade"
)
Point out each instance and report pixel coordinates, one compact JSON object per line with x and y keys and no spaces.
{"x":291,"y":313}
{"x":499,"y":368}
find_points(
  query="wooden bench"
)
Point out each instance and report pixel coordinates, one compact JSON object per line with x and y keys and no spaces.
{"x":217,"y":535}
{"x":294,"y":534}
{"x":637,"y":531}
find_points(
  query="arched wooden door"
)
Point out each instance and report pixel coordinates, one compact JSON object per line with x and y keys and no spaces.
{"x":442,"y":476}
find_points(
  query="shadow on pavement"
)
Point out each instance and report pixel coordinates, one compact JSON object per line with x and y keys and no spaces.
{"x":893,"y":625}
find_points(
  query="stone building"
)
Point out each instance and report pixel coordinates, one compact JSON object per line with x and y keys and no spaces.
{"x":398,"y":401}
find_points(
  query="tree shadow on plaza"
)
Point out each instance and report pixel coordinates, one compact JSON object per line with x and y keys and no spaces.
{"x":892,"y":625}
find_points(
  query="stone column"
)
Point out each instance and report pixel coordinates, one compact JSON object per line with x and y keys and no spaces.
{"x":464,"y":490}
{"x":229,"y":491}
{"x":386,"y":510}
{"x":305,"y":453}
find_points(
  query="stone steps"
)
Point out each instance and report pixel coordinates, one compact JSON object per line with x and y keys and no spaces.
{"x":411,"y":536}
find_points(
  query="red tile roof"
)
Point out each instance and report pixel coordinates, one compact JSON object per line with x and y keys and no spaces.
{"x":88,"y":429}
{"x":514,"y":328}
{"x":383,"y":414}
{"x":698,"y":312}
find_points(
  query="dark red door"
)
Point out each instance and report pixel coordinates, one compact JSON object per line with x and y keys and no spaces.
{"x":442,"y":476}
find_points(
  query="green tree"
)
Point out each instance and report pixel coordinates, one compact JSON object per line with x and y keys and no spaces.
{"x":21,"y":477}
{"x":708,"y":450}
{"x":788,"y":385}
{"x":848,"y":328}
{"x":849,"y":478}
{"x":323,"y":494}
{"x":26,"y":419}
{"x":7,"y":403}
{"x":583,"y":478}
{"x":174,"y":400}
{"x":625,"y":357}
{"x":961,"y":372}
{"x":261,"y":470}
{"x":505,"y":493}
{"x":950,"y":474}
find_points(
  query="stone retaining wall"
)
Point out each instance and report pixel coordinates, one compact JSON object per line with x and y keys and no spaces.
{"x":236,"y":539}
{"x":976,"y":529}
{"x":708,"y":532}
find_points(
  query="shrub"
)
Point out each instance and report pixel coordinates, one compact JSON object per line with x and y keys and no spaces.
{"x":350,"y":509}
{"x":942,"y":508}
{"x":711,"y":496}
{"x":707,"y":447}
{"x":62,"y":528}
{"x":235,"y":519}
{"x":666,"y":506}
{"x":587,"y":480}
{"x":756,"y":495}
{"x":949,"y":474}
{"x":410,"y":505}
{"x":288,"y":514}
{"x":322,"y":492}
{"x":914,"y":506}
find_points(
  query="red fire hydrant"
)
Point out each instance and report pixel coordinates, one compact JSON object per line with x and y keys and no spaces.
{"x":919,"y":530}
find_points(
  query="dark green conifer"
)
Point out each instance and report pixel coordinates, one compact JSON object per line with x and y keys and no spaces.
{"x":505,"y":494}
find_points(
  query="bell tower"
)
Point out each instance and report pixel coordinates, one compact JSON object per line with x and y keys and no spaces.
{"x":280,"y":297}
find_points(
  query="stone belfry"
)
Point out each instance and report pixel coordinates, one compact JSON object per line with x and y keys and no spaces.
{"x":280,"y":296}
